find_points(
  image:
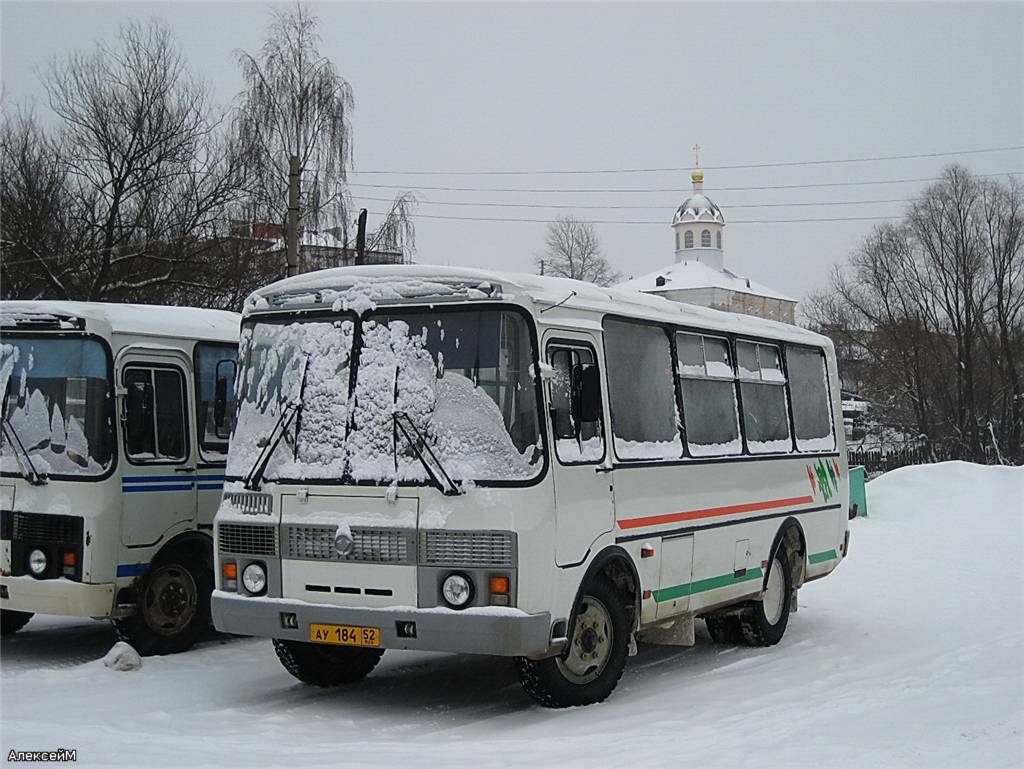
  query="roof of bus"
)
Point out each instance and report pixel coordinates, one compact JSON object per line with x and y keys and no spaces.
{"x":361,"y":288}
{"x":145,"y":319}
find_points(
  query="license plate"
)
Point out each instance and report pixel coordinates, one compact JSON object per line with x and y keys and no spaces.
{"x":344,"y":635}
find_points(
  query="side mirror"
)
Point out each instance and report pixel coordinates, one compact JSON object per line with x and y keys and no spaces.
{"x":220,"y":403}
{"x":225,"y":373}
{"x":138,"y":414}
{"x":587,"y":393}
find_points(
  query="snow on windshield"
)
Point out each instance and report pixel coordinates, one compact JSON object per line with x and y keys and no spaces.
{"x":58,"y":405}
{"x":276,"y":358}
{"x":463,"y":378}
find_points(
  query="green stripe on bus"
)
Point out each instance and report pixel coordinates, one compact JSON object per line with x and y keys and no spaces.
{"x":702,"y":585}
{"x":828,"y":555}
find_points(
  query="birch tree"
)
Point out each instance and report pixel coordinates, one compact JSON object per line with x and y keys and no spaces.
{"x":297,"y":104}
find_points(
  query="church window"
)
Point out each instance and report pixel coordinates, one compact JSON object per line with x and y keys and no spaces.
{"x":718,"y":240}
{"x":688,"y":239}
{"x":705,"y":239}
{"x":677,"y":240}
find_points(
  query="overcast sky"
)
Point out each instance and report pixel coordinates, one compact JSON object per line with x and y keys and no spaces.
{"x":517,"y":87}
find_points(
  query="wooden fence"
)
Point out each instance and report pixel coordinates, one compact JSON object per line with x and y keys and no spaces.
{"x":878,"y":461}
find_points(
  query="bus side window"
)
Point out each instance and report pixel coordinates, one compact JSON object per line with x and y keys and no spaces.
{"x":154,"y":418}
{"x":763,"y":393}
{"x":812,"y":410}
{"x":576,"y":405}
{"x":215,"y":366}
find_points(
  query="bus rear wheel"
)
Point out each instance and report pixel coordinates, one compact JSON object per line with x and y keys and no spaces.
{"x":172,"y":608}
{"x":326,"y":665}
{"x":12,"y":621}
{"x":764,"y":622}
{"x":592,"y":664}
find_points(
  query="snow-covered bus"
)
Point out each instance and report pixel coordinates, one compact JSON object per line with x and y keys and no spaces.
{"x":116,"y":420}
{"x":464,"y":461}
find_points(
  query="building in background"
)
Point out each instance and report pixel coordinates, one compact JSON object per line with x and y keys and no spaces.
{"x":699,"y":275}
{"x":317,"y":250}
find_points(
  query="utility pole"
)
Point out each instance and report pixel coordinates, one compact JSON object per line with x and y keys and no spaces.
{"x":361,"y":237}
{"x":292,"y":229}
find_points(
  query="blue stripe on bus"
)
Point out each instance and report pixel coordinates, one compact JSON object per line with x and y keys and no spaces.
{"x":157,"y":487}
{"x":131,"y":569}
{"x":153,"y":478}
{"x":211,"y":486}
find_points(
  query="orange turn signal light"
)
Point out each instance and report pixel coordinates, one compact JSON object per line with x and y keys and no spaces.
{"x":499,"y":585}
{"x":70,"y":559}
{"x":230,"y":570}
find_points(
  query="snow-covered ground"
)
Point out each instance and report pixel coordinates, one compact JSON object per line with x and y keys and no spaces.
{"x":910,"y":655}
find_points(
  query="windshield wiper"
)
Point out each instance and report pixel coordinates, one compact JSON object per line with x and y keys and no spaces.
{"x":288,"y":413}
{"x":31,"y":475}
{"x":404,"y":424}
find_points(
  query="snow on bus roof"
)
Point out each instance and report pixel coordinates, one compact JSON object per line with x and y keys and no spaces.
{"x":363,"y":288}
{"x":145,"y":319}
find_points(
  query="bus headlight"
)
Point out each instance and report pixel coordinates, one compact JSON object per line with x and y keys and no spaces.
{"x":37,"y":562}
{"x":457,"y":590}
{"x":254,"y":578}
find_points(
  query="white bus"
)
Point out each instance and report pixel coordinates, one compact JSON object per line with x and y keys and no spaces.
{"x":114,"y":445}
{"x":456,"y":460}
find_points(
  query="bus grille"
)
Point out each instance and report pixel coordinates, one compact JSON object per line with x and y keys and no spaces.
{"x":370,"y":545}
{"x":41,"y":527}
{"x":245,"y":539}
{"x":467,"y":548}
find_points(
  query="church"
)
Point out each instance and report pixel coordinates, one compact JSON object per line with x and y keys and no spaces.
{"x":699,"y":275}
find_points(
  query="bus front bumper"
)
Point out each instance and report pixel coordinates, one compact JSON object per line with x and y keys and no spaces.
{"x":56,"y":596}
{"x":501,"y":632}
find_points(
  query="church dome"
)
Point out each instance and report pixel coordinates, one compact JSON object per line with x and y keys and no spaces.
{"x":698,"y":207}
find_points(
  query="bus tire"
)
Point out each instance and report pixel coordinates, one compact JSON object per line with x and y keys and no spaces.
{"x":320,"y":665}
{"x":173,"y":605}
{"x":724,"y":629}
{"x":763,"y":622}
{"x":591,"y":666}
{"x":12,"y":621}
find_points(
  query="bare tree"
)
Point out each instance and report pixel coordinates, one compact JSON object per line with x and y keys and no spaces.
{"x":36,"y":228}
{"x":145,"y":175}
{"x":930,"y":314}
{"x":572,"y":250}
{"x":297,"y":104}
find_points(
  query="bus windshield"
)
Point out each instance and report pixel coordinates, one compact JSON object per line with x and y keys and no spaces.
{"x":463,"y":377}
{"x":59,"y":404}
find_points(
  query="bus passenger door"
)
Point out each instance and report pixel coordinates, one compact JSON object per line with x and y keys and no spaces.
{"x":583,"y":493}
{"x":158,"y":468}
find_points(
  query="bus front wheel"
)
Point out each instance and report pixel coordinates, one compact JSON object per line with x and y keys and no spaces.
{"x":12,"y":621}
{"x":173,"y":606}
{"x":592,"y":663}
{"x":326,"y":665}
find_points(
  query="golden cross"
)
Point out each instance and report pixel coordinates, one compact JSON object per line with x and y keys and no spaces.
{"x":696,"y":156}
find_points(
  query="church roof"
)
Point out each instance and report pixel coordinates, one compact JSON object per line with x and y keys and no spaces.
{"x":694,"y":274}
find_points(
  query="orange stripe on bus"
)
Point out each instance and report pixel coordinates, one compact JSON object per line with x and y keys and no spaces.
{"x":710,"y":512}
